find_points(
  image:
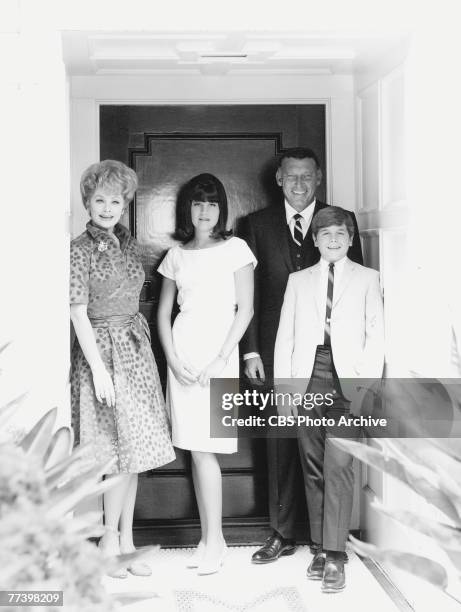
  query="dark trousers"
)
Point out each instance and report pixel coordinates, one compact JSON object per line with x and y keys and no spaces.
{"x":284,"y":477}
{"x":327,"y":471}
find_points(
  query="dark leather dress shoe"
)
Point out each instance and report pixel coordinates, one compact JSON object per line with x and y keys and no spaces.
{"x":334,"y":577}
{"x":315,"y":548}
{"x":316,"y":566}
{"x":274,"y":547}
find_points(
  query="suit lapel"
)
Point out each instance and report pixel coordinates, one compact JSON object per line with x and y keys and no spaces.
{"x":317,"y":289}
{"x":346,"y":277}
{"x":281,"y":234}
{"x":312,"y":254}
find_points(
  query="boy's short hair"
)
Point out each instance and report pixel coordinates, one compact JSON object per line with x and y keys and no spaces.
{"x":332,"y":215}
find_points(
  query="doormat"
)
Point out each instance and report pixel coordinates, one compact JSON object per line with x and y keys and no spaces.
{"x":283,"y":599}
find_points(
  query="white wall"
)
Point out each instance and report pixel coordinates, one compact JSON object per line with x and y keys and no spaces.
{"x":412,"y":230}
{"x":88,"y":92}
{"x":34,"y":243}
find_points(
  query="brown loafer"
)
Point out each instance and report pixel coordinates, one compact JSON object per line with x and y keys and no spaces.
{"x":274,"y":547}
{"x":334,"y":576}
{"x":316,"y":566}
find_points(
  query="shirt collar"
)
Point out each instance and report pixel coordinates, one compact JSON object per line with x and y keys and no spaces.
{"x":339,"y":265}
{"x":306,"y":213}
{"x":120,"y":231}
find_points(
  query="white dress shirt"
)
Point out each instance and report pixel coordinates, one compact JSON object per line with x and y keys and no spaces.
{"x":306,"y":217}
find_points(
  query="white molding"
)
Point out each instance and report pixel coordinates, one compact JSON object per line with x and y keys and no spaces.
{"x":210,"y":101}
{"x":329,"y":151}
{"x":359,"y":153}
{"x":380,"y":146}
{"x":385,"y":84}
{"x":370,"y":91}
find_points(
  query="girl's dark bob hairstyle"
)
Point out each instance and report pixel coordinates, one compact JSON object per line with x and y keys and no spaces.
{"x":201,"y":188}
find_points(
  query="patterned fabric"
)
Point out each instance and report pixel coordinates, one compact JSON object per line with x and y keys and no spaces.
{"x":298,"y":230}
{"x":331,"y":280}
{"x":107,"y":275}
{"x":282,"y":599}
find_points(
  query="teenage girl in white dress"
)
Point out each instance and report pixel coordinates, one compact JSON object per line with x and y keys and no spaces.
{"x":211,"y":274}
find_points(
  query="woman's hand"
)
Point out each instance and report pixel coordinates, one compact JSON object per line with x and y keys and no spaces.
{"x":103,"y":386}
{"x":213,"y":370}
{"x":183,"y":373}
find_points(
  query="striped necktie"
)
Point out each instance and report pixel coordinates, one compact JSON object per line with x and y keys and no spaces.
{"x":298,"y":230}
{"x":331,"y":280}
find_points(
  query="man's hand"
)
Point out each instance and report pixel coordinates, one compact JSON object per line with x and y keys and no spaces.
{"x":254,"y":370}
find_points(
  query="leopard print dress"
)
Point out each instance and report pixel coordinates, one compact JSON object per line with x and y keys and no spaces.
{"x":106,"y":274}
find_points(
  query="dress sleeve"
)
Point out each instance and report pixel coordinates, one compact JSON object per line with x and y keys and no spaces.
{"x":168,"y":266}
{"x":242,"y":255}
{"x":79,"y":274}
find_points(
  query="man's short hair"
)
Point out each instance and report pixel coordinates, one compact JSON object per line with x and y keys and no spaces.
{"x":332,"y":215}
{"x":298,"y":153}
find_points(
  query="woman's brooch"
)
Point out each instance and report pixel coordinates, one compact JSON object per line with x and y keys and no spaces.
{"x":102,"y":246}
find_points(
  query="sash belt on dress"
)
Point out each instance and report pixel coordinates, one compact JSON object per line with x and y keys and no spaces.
{"x":137,"y":324}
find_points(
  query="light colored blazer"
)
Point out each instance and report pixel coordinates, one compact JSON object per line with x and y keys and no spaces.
{"x":357,"y":324}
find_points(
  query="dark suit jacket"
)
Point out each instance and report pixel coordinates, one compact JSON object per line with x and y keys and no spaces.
{"x":265,"y":232}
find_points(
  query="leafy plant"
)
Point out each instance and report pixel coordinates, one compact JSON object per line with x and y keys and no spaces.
{"x":43,"y":546}
{"x":431,"y":468}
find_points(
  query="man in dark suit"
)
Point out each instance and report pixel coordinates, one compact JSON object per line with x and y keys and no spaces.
{"x":280,"y":237}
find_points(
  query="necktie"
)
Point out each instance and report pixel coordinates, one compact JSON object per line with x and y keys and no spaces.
{"x":331,"y":280}
{"x":298,"y":230}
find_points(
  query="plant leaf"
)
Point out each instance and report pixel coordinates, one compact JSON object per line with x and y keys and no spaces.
{"x":419,"y":566}
{"x":9,"y":408}
{"x":60,"y":447}
{"x":446,"y":537}
{"x":36,"y":442}
{"x":85,"y":491}
{"x":85,"y":521}
{"x":91,"y":476}
{"x":57,"y":472}
{"x":125,"y":599}
{"x":415,"y":476}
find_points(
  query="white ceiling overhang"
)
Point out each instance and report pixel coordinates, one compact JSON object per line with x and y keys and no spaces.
{"x":221,"y":53}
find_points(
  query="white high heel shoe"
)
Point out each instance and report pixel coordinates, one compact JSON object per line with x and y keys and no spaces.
{"x":197,"y":556}
{"x":204,"y":569}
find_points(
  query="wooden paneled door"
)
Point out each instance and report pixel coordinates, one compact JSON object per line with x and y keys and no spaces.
{"x":166,"y":146}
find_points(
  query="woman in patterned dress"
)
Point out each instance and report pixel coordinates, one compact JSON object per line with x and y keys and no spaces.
{"x":212,"y":275}
{"x":117,"y":402}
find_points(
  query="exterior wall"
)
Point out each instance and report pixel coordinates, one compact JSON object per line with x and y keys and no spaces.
{"x":34,"y":244}
{"x":405,"y":200}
